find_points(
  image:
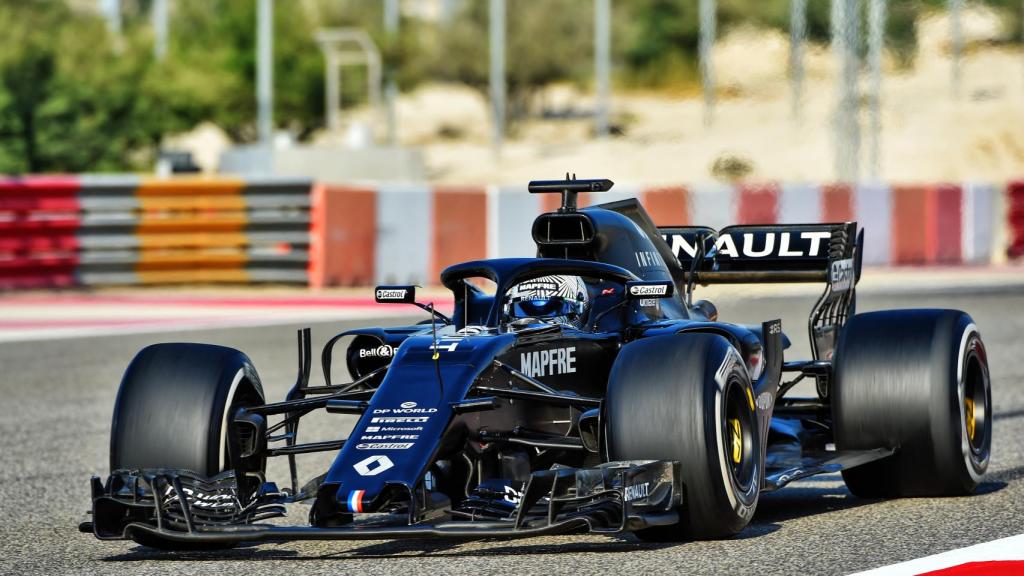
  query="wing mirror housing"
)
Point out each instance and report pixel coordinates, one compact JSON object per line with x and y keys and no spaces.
{"x":405,"y":294}
{"x":644,"y":289}
{"x":395,"y":294}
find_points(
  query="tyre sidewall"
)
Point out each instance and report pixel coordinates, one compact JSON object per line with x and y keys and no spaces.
{"x":900,"y":378}
{"x":726,"y":368}
{"x":667,"y":401}
{"x":173,"y":406}
{"x":971,"y":462}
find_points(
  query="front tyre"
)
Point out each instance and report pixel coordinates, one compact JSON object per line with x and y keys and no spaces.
{"x":173,"y":409}
{"x":688,"y":398}
{"x":917,"y":381}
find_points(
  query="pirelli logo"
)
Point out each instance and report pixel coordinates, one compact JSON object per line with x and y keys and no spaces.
{"x":399,"y":419}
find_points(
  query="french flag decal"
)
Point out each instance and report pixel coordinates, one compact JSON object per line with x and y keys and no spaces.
{"x":355,"y":500}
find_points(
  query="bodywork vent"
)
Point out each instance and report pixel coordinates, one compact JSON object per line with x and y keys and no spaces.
{"x":569,"y":235}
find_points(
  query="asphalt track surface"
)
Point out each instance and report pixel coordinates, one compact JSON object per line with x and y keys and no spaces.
{"x":57,"y":396}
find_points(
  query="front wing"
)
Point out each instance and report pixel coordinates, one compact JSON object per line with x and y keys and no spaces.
{"x":613,"y":497}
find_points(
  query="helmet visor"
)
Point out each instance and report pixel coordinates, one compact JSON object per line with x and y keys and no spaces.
{"x":552,"y":307}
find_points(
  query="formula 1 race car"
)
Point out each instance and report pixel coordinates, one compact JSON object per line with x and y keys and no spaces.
{"x":581,"y":390}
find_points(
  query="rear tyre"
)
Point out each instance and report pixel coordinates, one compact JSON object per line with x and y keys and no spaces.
{"x":688,"y":398}
{"x":916,"y":381}
{"x":173,"y":408}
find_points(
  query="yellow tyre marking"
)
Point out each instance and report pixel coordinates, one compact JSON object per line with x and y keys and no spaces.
{"x":736,"y":436}
{"x":969,"y":417}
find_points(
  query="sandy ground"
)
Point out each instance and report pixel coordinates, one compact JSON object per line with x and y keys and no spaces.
{"x":927,"y":132}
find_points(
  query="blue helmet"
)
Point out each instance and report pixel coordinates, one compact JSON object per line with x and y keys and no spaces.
{"x":548,"y":299}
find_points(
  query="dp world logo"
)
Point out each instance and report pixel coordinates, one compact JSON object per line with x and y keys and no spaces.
{"x":408,"y":404}
{"x":373,"y":465}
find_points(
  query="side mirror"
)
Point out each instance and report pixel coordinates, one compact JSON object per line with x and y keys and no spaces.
{"x":405,"y":295}
{"x":395,"y":294}
{"x":638,"y":289}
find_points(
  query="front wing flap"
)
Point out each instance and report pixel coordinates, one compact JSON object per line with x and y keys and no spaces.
{"x":613,"y":497}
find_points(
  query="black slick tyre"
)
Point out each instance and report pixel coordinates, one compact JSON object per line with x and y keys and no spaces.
{"x":688,"y":398}
{"x":916,"y":381}
{"x":173,"y":408}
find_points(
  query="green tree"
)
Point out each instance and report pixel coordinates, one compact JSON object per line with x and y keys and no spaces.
{"x":212,"y":61}
{"x":544,"y":44}
{"x":656,"y":41}
{"x":70,"y":100}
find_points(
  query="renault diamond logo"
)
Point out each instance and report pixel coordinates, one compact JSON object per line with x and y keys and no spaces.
{"x":373,"y":465}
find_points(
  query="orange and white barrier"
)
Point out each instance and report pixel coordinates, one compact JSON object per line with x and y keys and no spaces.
{"x":1015,"y":217}
{"x":100,"y":230}
{"x":409,"y":233}
{"x":932,"y":224}
{"x":91,"y":230}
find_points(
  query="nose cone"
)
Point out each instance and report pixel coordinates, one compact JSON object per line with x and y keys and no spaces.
{"x":395,"y":441}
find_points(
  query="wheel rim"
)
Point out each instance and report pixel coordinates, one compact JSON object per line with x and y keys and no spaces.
{"x":976,"y":404}
{"x":739,"y":432}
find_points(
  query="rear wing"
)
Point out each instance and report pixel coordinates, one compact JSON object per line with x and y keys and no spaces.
{"x":829,"y":253}
{"x":768,"y":253}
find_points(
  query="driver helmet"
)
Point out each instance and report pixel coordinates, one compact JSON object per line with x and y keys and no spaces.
{"x":548,"y":300}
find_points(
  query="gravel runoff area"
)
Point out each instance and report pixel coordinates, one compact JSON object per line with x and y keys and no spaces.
{"x":57,"y":398}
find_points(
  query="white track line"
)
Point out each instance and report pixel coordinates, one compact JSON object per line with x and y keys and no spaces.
{"x":161,"y":325}
{"x":1011,"y":548}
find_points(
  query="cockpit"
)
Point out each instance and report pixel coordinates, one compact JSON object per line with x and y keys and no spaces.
{"x":527,"y":293}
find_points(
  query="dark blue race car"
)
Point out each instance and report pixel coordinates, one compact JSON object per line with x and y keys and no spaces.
{"x":581,"y":390}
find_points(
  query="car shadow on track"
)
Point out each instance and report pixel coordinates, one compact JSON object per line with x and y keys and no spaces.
{"x":804,"y":499}
{"x":452,"y":548}
{"x":399,"y":549}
